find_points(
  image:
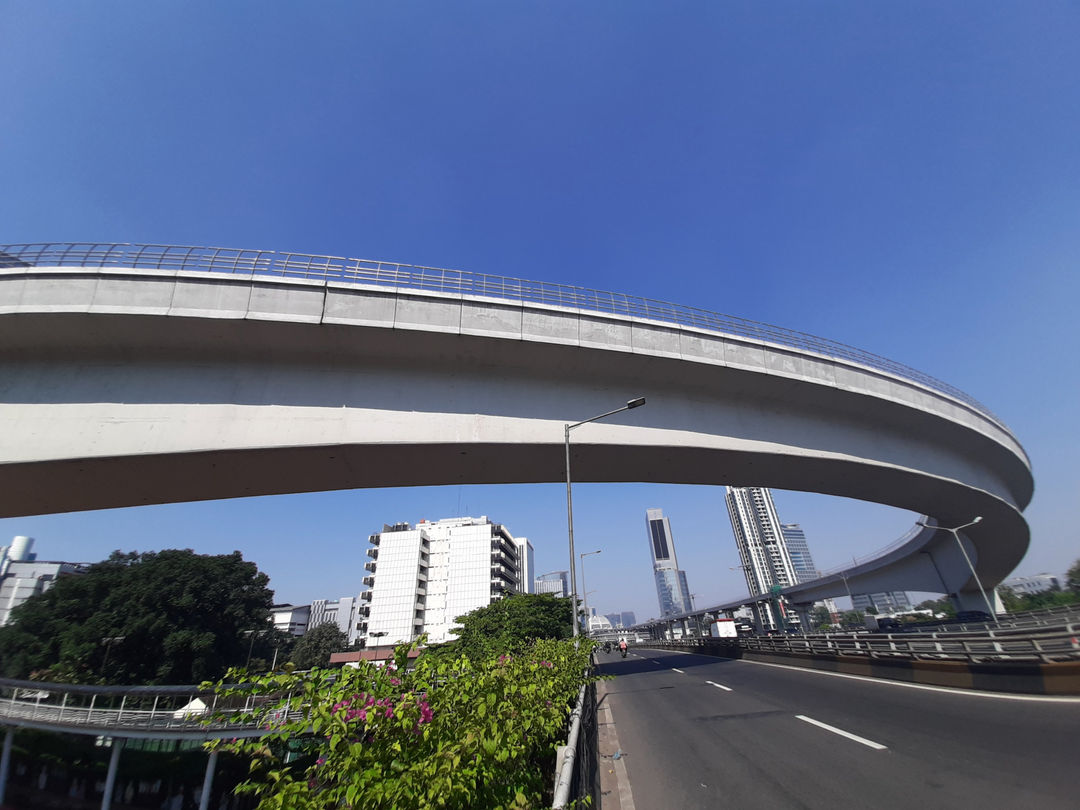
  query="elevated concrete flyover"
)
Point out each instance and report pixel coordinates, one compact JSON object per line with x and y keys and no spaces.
{"x":138,"y":374}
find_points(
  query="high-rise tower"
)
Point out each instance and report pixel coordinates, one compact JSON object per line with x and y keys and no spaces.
{"x":671,"y":589}
{"x":760,"y":539}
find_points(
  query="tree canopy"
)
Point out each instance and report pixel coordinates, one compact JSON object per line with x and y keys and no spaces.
{"x":314,"y":647}
{"x":172,"y":616}
{"x":509,"y":624}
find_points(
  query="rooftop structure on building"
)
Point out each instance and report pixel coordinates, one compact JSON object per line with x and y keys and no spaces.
{"x":423,"y":577}
{"x":672,"y":592}
{"x":763,"y":551}
{"x":23,"y":575}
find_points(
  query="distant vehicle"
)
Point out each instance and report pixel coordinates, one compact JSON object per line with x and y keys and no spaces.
{"x":974,"y":616}
{"x":724,"y":628}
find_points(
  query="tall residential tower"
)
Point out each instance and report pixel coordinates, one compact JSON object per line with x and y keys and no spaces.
{"x":763,"y":551}
{"x":671,"y":589}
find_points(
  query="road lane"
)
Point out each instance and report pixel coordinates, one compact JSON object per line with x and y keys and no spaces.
{"x":689,"y":744}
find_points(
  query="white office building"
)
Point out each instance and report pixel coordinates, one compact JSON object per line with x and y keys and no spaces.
{"x":343,"y":612}
{"x":22,"y":575}
{"x":423,"y":577}
{"x":1036,"y":583}
{"x":672,"y":592}
{"x":556,"y":583}
{"x":763,"y":552}
{"x":291,"y":619}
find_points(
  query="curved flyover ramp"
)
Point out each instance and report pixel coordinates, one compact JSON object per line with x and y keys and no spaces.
{"x":145,"y":374}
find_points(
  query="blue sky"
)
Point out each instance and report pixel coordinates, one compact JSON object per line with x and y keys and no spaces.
{"x":900,"y":177}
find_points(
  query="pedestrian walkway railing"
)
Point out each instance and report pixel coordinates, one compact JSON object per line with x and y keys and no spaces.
{"x":452,"y":282}
{"x":159,"y":712}
{"x":1016,"y":645}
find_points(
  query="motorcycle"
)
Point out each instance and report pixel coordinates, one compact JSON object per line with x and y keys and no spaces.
{"x":622,"y":649}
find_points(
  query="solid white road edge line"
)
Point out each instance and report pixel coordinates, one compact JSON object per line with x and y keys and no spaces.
{"x":720,"y":686}
{"x":949,"y":690}
{"x":842,"y":733}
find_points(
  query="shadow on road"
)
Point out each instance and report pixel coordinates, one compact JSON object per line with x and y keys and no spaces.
{"x":655,"y":661}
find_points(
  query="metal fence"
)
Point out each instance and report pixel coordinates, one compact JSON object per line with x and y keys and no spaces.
{"x":578,"y":778}
{"x":1060,"y":643}
{"x":453,"y":282}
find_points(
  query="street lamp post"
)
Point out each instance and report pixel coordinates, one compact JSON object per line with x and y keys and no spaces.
{"x":956,"y":535}
{"x":633,"y":403}
{"x":377,"y":634}
{"x":584,"y":587}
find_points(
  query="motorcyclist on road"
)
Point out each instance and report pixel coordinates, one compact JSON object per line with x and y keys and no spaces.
{"x":622,"y":647}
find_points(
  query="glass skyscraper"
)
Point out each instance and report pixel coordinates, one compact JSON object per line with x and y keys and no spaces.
{"x":799,"y":551}
{"x":671,"y":589}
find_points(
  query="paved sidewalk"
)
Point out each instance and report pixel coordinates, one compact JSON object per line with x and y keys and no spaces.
{"x":614,"y":783}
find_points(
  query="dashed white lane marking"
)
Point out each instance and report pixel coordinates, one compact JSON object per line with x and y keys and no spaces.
{"x":720,"y":686}
{"x":675,"y":669}
{"x":842,"y":733}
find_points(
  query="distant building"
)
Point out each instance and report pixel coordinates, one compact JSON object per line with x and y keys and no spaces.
{"x":1037,"y":583}
{"x":799,"y":551}
{"x":527,"y":569}
{"x":889,"y":602}
{"x":343,"y":612}
{"x":597,"y":623}
{"x":424,"y":577}
{"x":763,"y":550}
{"x":291,"y":619}
{"x":22,"y":575}
{"x":622,"y":619}
{"x":555,"y":583}
{"x":671,"y":589}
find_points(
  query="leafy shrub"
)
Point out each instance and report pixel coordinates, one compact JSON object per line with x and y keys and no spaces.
{"x":461,"y":733}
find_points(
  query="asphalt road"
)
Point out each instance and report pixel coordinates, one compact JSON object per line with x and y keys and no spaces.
{"x":703,"y":732}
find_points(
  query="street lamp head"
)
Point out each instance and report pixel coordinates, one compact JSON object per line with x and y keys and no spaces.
{"x":977,"y":519}
{"x":636,"y":403}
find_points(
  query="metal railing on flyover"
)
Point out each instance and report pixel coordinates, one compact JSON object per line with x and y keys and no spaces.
{"x":455,"y":282}
{"x":1059,"y":644}
{"x":144,"y":711}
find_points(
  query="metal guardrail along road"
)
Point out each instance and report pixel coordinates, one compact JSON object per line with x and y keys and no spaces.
{"x":455,"y":282}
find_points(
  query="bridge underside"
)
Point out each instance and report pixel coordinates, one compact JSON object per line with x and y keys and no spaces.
{"x":109,"y":409}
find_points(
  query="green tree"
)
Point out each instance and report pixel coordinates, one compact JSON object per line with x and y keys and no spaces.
{"x":157,"y":617}
{"x":314,"y":647}
{"x":820,"y":617}
{"x":942,"y":605}
{"x":509,"y":624}
{"x":1072,"y":578}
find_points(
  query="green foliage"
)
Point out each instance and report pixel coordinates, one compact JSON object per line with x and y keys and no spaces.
{"x":451,"y":733}
{"x":1017,"y":603}
{"x":180,"y":617}
{"x":1072,"y":578}
{"x":942,"y":605}
{"x":509,"y":624}
{"x":313,"y":649}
